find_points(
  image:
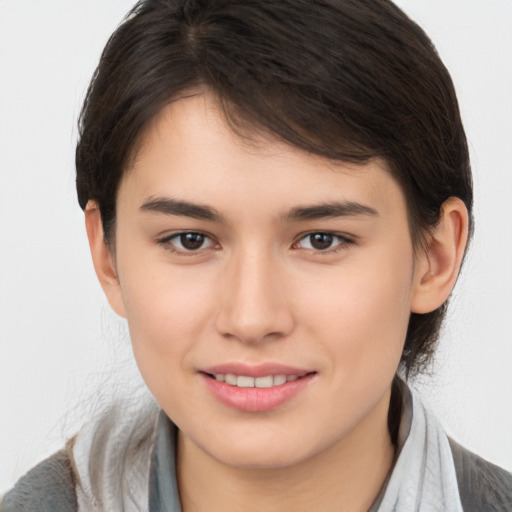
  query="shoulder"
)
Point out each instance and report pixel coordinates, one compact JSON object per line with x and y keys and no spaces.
{"x":49,"y":487}
{"x":482,"y":485}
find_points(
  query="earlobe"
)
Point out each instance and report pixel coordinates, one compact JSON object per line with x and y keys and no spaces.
{"x":103,"y":259}
{"x":437,"y":266}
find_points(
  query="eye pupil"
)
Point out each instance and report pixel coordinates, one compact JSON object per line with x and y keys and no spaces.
{"x":321,"y":241}
{"x":192,"y":241}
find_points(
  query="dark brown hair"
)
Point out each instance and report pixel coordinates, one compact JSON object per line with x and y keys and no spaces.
{"x":346,"y":79}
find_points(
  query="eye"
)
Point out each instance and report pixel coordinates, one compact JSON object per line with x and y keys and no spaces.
{"x":322,"y":241}
{"x":188,"y":242}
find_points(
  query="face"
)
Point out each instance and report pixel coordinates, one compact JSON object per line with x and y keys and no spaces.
{"x":267,"y":290}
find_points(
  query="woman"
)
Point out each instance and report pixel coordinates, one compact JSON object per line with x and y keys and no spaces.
{"x":278,"y":199}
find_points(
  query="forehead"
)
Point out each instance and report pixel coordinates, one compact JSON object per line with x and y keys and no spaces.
{"x":189,"y":151}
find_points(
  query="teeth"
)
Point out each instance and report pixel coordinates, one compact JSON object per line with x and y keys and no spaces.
{"x":230,"y":379}
{"x":244,"y":381}
{"x":264,"y":382}
{"x":279,"y":379}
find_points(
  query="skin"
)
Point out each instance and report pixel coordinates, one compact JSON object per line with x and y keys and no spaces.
{"x":257,"y":291}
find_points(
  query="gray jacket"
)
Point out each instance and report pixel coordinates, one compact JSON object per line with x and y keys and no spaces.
{"x":50,"y":486}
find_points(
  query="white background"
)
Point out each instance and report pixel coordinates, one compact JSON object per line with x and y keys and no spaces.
{"x":61,"y":350}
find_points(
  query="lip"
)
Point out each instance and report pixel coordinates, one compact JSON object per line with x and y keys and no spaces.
{"x":257,"y":370}
{"x":256,"y":399}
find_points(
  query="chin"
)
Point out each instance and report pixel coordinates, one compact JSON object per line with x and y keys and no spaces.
{"x":257,"y":459}
{"x":271,"y":451}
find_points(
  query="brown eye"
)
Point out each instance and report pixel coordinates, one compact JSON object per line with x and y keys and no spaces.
{"x":192,"y":241}
{"x":187,"y":242}
{"x":321,"y":241}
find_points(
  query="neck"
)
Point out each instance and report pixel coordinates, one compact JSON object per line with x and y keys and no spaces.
{"x":347,"y":476}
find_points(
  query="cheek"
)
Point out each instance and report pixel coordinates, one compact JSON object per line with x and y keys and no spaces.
{"x":167,"y":311}
{"x":364,"y":313}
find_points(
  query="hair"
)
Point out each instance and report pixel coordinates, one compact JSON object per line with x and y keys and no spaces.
{"x":349,"y":80}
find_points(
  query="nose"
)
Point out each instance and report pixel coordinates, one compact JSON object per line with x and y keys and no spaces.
{"x":254,"y":303}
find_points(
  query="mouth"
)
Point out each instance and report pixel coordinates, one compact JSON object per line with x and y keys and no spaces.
{"x":246,"y":381}
{"x":268,"y":388}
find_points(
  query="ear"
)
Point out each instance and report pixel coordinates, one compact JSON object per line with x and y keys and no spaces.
{"x":103,"y":259}
{"x":437,"y":266}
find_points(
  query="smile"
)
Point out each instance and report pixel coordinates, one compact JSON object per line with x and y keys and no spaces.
{"x":246,"y":381}
{"x":269,"y":386}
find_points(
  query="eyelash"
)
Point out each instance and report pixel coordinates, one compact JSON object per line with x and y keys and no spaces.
{"x":167,"y":243}
{"x":343,"y":242}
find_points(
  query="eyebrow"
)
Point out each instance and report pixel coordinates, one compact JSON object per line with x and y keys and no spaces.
{"x":330,"y":210}
{"x":171,"y":206}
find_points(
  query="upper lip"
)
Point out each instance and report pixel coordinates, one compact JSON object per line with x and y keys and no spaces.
{"x":256,"y":370}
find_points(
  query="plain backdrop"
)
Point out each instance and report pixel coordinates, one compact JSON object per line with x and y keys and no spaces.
{"x":62,"y":350}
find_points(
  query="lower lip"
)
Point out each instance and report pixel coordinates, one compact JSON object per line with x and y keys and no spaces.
{"x":256,"y":399}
